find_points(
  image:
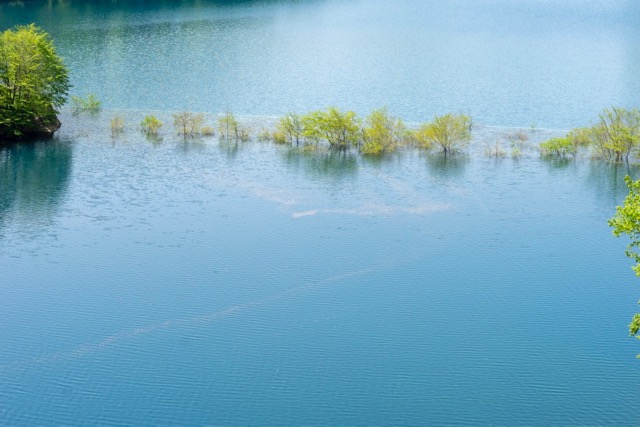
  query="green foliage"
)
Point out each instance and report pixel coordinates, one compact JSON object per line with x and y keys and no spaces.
{"x":117,"y":124}
{"x":188,"y":124}
{"x":151,"y":125}
{"x":208,"y":131}
{"x":451,"y":132}
{"x":265,"y":135}
{"x":340,"y":129}
{"x":559,"y":147}
{"x":91,"y":104}
{"x":580,"y":137}
{"x":616,"y":136}
{"x":627,"y":221}
{"x":289,"y":130}
{"x":382,"y":133}
{"x":230,"y":129}
{"x":34,"y":81}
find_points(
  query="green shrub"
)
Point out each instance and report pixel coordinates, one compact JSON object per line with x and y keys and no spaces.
{"x":230,"y":129}
{"x":117,"y":124}
{"x":265,"y":135}
{"x":559,"y":147}
{"x":616,"y":136}
{"x":150,"y":125}
{"x":188,"y":124}
{"x":279,"y":137}
{"x":290,"y":129}
{"x":340,"y":129}
{"x":90,"y":104}
{"x":382,"y":133}
{"x":451,"y":132}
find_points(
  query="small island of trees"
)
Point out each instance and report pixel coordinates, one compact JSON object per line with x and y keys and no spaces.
{"x":33,"y":84}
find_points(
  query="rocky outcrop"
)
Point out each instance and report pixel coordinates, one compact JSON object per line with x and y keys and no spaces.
{"x":39,"y":128}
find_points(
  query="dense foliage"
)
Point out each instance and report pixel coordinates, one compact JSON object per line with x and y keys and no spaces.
{"x":33,"y":81}
{"x":615,"y":137}
{"x":383,"y":133}
{"x":378,"y":133}
{"x":627,"y":221}
{"x":450,"y":132}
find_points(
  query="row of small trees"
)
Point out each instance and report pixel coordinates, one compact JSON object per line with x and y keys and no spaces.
{"x":615,"y":137}
{"x":189,"y":124}
{"x":338,"y":130}
{"x":377,"y":133}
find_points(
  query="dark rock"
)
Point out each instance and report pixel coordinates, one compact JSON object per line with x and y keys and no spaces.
{"x":44,"y":129}
{"x":39,"y":128}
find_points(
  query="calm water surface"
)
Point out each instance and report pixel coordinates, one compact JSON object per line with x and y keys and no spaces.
{"x":507,"y":62}
{"x":172,"y":282}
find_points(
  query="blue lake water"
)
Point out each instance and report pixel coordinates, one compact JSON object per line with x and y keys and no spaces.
{"x":172,"y":282}
{"x":507,"y":62}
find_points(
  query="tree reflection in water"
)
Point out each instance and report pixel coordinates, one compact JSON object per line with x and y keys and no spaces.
{"x":33,"y":180}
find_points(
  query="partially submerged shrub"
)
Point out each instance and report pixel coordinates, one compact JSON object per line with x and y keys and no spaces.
{"x":265,"y":135}
{"x":290,"y":129}
{"x":188,"y":124}
{"x":382,"y":133}
{"x":91,"y":104}
{"x":495,"y":150}
{"x":117,"y":124}
{"x":208,"y":131}
{"x":340,"y":129}
{"x":150,"y":125}
{"x":230,"y":129}
{"x":517,"y":141}
{"x":580,"y":137}
{"x":517,"y":137}
{"x":559,"y":147}
{"x":617,"y":135}
{"x":451,"y":133}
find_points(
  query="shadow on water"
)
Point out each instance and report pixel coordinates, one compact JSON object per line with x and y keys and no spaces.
{"x":559,"y":165}
{"x":607,"y":180}
{"x":189,"y":144}
{"x":383,"y":159}
{"x":447,"y":166}
{"x":97,"y":6}
{"x":230,"y":148}
{"x":33,"y":179}
{"x":332,"y":164}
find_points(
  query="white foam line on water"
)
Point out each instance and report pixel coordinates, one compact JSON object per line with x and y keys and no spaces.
{"x":219,"y":315}
{"x":380,"y":209}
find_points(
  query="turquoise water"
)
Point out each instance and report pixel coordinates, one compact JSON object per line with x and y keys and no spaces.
{"x":506,"y":62}
{"x":172,"y":282}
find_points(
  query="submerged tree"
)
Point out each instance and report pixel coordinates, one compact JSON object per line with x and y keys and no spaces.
{"x":559,"y":147}
{"x":187,"y":123}
{"x":451,"y":132}
{"x":229,"y":128}
{"x":150,"y":125}
{"x":289,"y":129}
{"x":90,"y":104}
{"x":617,"y":135}
{"x":382,"y":133}
{"x":340,"y":129}
{"x":34,"y":83}
{"x":627,"y":221}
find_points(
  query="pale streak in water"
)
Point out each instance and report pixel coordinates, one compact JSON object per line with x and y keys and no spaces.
{"x":111,"y":340}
